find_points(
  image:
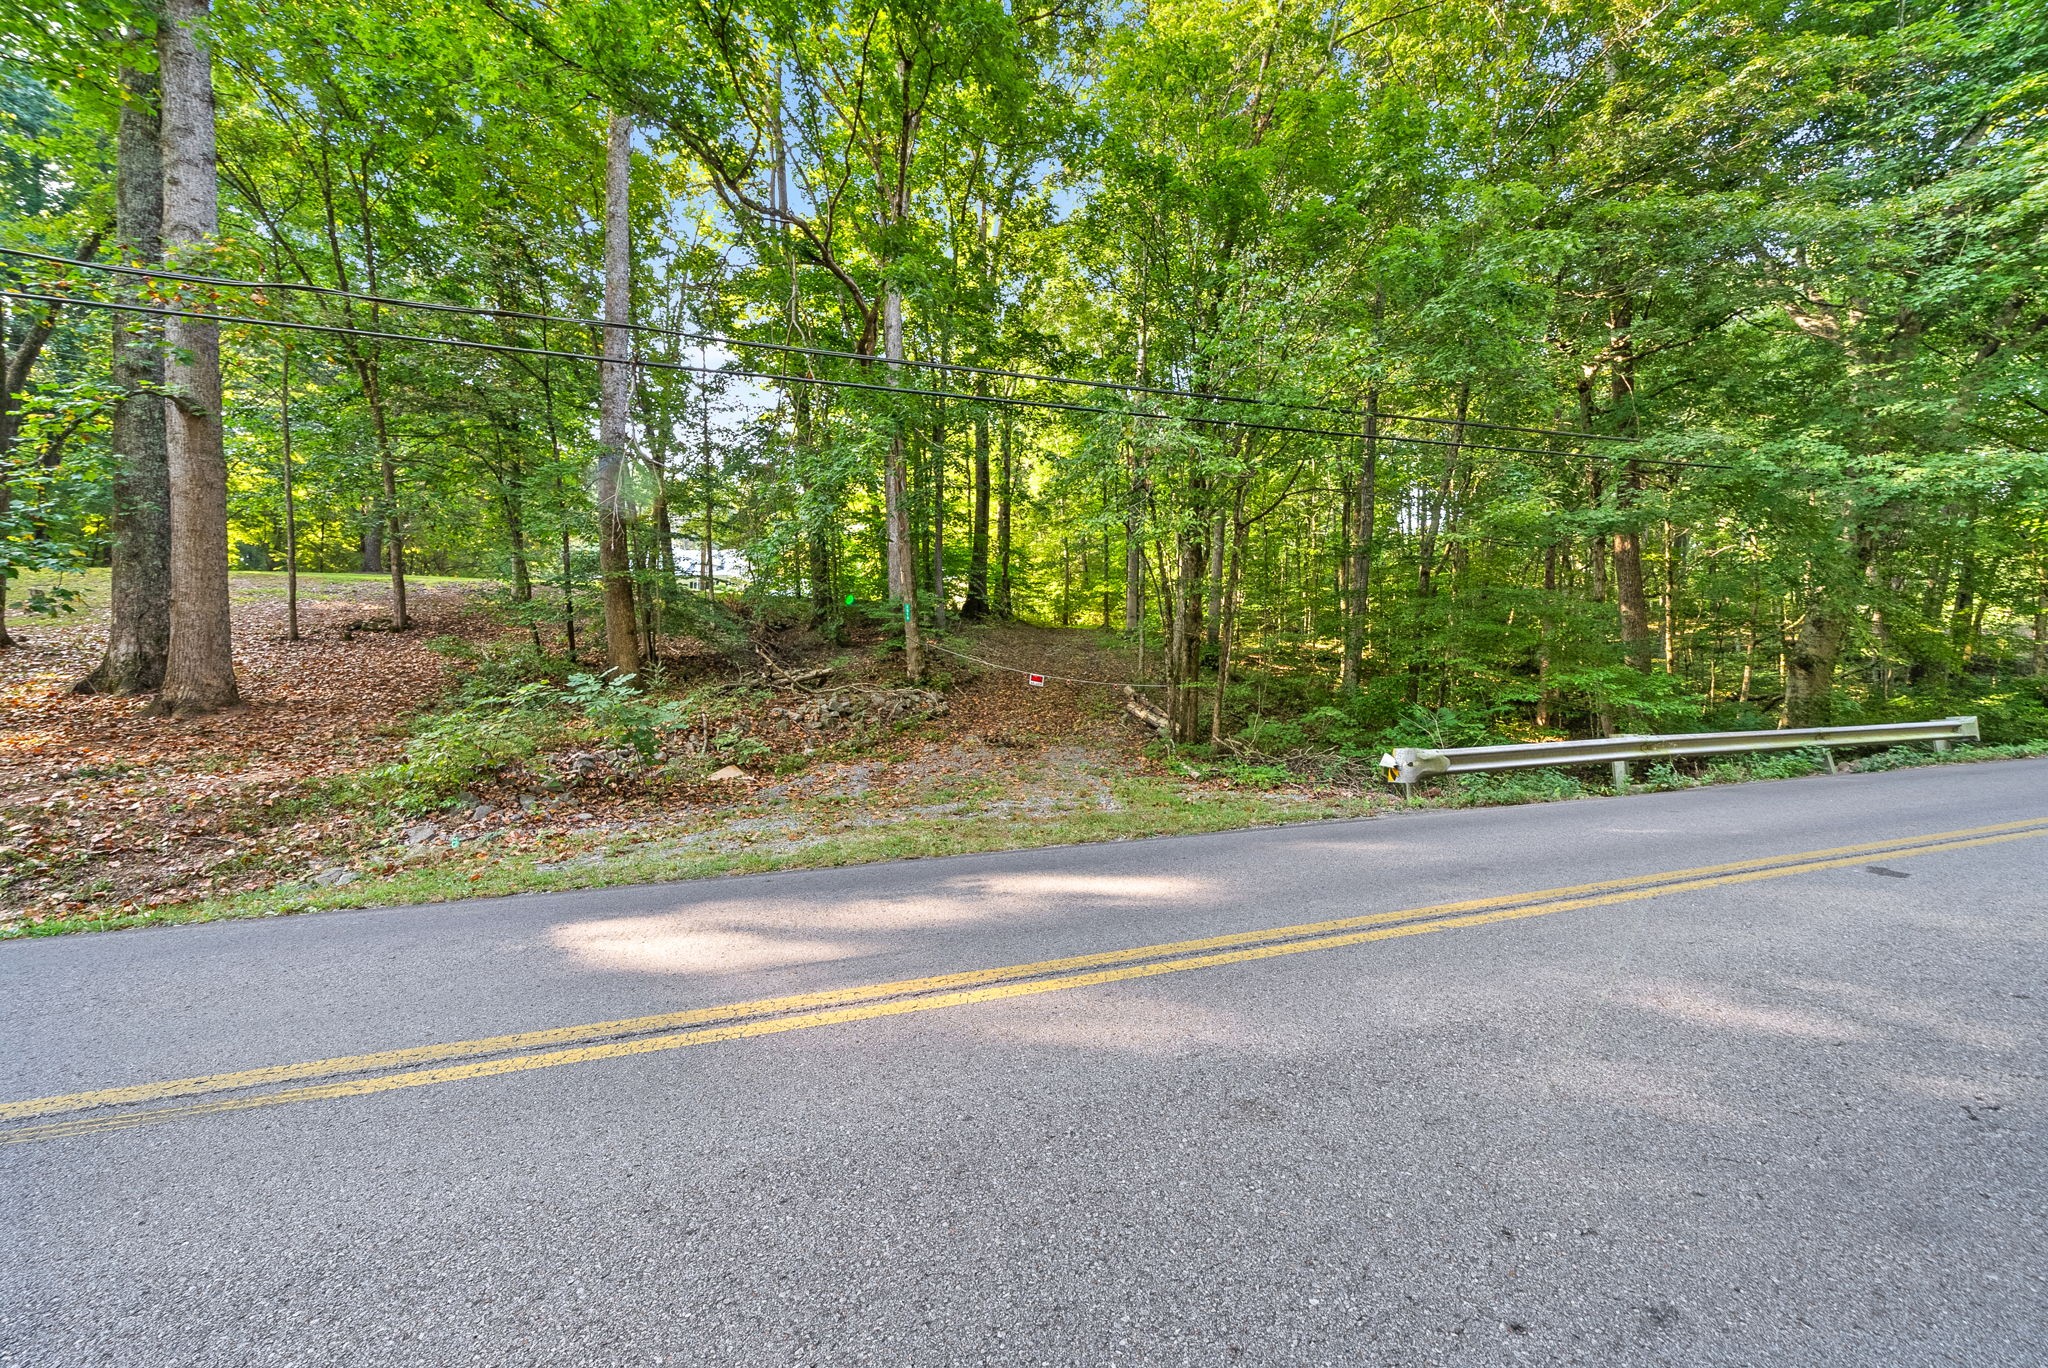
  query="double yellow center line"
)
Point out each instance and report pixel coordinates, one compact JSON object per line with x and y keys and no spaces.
{"x":109,"y":1109}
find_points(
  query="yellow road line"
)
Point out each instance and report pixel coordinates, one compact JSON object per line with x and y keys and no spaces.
{"x":998,"y":991}
{"x":667,"y":1021}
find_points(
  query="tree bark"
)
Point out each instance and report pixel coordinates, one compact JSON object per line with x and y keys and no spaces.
{"x":139,"y":627}
{"x":614,"y":553}
{"x":1005,"y":605}
{"x":291,"y":509}
{"x":1184,"y":639}
{"x":1358,"y":548}
{"x":976,"y":604}
{"x":896,"y":499}
{"x":1632,"y":603}
{"x":1134,"y":514}
{"x":199,"y":670}
{"x":1810,"y":664}
{"x":939,"y":522}
{"x":1226,"y":614}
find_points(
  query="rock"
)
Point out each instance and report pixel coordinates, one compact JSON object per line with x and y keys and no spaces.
{"x":420,"y":833}
{"x":335,"y":878}
{"x":731,"y":774}
{"x":528,"y":803}
{"x":482,"y":812}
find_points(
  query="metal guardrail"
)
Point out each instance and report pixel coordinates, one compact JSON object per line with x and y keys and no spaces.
{"x":1408,"y":764}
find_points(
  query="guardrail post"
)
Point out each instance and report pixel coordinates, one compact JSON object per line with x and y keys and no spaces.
{"x":1621,"y":776}
{"x":1942,"y":746}
{"x":1828,"y":754}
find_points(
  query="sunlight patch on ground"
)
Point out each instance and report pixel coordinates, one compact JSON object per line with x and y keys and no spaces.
{"x":1703,"y":1008}
{"x":660,"y":945}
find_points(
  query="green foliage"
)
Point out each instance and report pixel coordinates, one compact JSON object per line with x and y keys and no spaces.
{"x":1437,"y":729}
{"x":449,"y":750}
{"x":620,"y":714}
{"x":1516,"y":786}
{"x":508,"y":709}
{"x":1829,"y":509}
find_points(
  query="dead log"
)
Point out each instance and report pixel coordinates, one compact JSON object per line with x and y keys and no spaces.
{"x":1143,"y":711}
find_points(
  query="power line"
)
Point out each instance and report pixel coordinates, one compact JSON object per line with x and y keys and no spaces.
{"x":478,"y":311}
{"x":510,"y":349}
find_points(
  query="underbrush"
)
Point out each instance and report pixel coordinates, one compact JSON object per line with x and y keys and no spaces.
{"x":514,"y":705}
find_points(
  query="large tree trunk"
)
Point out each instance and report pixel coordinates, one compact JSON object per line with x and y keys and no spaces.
{"x":199,"y":672}
{"x":1810,"y":664}
{"x":139,"y":632}
{"x":1632,"y":603}
{"x":614,"y":553}
{"x":1184,"y":639}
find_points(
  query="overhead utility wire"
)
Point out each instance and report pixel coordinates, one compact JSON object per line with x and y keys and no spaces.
{"x":479,"y":311}
{"x":1040,"y":674}
{"x":506,"y":348}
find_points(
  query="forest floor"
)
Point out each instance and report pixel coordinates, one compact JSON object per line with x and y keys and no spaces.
{"x":109,"y":818}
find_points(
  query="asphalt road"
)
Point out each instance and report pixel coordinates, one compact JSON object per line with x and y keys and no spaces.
{"x":1785,"y":1113}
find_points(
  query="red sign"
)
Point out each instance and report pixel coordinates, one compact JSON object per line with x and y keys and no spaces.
{"x":1037,"y":681}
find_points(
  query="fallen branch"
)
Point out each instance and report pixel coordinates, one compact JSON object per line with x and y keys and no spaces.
{"x":1144,"y":712}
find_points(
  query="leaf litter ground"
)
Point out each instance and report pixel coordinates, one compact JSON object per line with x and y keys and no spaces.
{"x":108,"y":817}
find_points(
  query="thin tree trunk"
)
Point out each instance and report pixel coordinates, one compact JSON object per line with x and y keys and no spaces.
{"x":1963,"y":617}
{"x":1005,"y":605}
{"x":1226,"y":624}
{"x":2041,"y":624}
{"x":1437,"y":515}
{"x":291,"y":510}
{"x":1545,"y":698}
{"x":1358,"y":546}
{"x":1134,"y":512}
{"x":394,"y":539}
{"x":976,"y":604}
{"x":614,"y":554}
{"x":1218,"y":542}
{"x":139,"y":626}
{"x":547,"y":391}
{"x":1631,"y":602}
{"x":1674,"y":551}
{"x":896,"y":499}
{"x":939,"y":523}
{"x":707,"y":549}
{"x":199,"y":670}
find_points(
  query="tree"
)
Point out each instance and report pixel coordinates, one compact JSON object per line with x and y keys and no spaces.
{"x":139,"y":611}
{"x":199,"y":670}
{"x":621,"y":633}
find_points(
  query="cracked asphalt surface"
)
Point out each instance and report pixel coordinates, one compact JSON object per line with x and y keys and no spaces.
{"x":1788,"y":1122}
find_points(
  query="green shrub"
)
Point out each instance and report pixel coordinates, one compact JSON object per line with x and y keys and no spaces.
{"x":1516,"y":786}
{"x":449,"y":750}
{"x":1787,"y":764}
{"x":2011,"y":718}
{"x":619,"y":714}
